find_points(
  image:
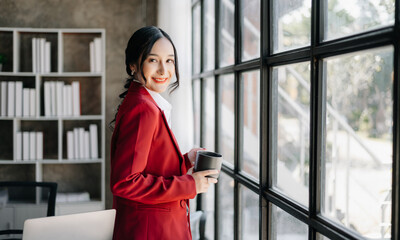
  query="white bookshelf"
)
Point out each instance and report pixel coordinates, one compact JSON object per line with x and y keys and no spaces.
{"x":70,"y":61}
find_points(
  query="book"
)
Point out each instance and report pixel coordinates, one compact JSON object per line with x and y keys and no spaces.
{"x":34,"y":51}
{"x":53,"y":103}
{"x":47,"y":99}
{"x":18,"y":99}
{"x":26,"y":96}
{"x":18,"y":149}
{"x":76,"y":143}
{"x":25,"y":146}
{"x":39,"y":145}
{"x":86,"y":144}
{"x":4,"y":104}
{"x":47,"y":57}
{"x":38,"y":61}
{"x":32,"y":101}
{"x":11,"y":99}
{"x":91,"y":53}
{"x":70,"y":145}
{"x":97,"y":55}
{"x":93,"y":141}
{"x":76,"y":99}
{"x":59,"y":98}
{"x":42,"y":55}
{"x":81,"y":141}
{"x":32,"y":145}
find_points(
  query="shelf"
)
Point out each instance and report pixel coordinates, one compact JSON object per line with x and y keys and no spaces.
{"x":53,"y":74}
{"x":70,"y":62}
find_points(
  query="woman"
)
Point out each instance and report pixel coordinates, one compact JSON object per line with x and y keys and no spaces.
{"x":151,"y":180}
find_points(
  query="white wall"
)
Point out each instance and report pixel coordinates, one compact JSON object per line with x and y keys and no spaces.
{"x":174,"y":17}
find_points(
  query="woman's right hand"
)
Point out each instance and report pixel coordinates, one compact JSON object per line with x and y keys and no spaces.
{"x":203,"y":182}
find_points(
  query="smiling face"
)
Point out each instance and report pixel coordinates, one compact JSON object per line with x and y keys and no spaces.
{"x":158,"y":67}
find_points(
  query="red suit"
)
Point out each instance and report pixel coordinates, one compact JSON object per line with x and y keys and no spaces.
{"x":148,"y":180}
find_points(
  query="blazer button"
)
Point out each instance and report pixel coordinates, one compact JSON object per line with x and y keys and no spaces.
{"x":183,"y":204}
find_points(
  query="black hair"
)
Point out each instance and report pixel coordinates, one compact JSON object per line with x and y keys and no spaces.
{"x":137,"y":51}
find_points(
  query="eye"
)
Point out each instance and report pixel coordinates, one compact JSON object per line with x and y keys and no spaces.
{"x":152,"y":60}
{"x":170,"y":61}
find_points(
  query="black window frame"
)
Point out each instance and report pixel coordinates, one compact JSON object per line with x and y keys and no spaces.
{"x":315,"y":53}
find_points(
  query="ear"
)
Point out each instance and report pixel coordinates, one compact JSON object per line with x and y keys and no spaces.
{"x":133,"y":67}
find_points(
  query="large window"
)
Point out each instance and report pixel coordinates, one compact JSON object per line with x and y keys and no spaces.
{"x":302,"y":99}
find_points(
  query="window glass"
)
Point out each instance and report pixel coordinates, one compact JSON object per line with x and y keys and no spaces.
{"x":286,"y":227}
{"x":209,"y":114}
{"x":321,"y":237}
{"x":250,"y":25}
{"x":250,"y":214}
{"x":226,"y":213}
{"x":209,"y":209}
{"x":357,"y":170}
{"x":292,"y":101}
{"x":227,"y":108}
{"x":251,"y":122}
{"x":346,"y":17}
{"x":291,"y":24}
{"x":196,"y":111}
{"x":227,"y":33}
{"x":209,"y":34}
{"x":196,"y":39}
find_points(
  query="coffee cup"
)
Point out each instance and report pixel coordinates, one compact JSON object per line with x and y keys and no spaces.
{"x":207,"y":160}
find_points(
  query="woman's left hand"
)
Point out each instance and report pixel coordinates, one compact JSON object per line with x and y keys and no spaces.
{"x":192,"y":154}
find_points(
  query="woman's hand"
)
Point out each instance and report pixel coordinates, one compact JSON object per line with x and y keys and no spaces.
{"x":192,"y":154}
{"x":203,"y":182}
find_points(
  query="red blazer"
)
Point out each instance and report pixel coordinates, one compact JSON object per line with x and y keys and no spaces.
{"x":148,"y":173}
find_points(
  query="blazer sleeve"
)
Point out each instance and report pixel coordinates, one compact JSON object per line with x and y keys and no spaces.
{"x":129,"y":159}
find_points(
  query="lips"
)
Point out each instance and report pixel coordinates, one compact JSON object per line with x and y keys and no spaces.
{"x":160,"y":80}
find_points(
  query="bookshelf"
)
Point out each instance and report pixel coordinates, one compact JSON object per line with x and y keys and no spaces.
{"x":70,"y":55}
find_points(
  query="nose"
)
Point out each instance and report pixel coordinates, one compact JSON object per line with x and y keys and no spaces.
{"x":161,"y":69}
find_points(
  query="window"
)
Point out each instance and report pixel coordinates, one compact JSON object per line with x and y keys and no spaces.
{"x":302,"y":99}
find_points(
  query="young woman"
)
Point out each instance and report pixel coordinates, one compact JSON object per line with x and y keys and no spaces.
{"x":151,"y":180}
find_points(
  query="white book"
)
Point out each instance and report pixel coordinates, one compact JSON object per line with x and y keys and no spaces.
{"x":42,"y":55}
{"x":93,"y":141}
{"x":18,"y":99}
{"x":38,"y":61}
{"x":70,"y":145}
{"x":81,"y":143}
{"x":86,"y":143}
{"x":47,"y":105}
{"x":47,"y":54}
{"x":76,"y":99}
{"x":32,"y":145}
{"x":32,"y":100}
{"x":91,"y":52}
{"x":18,"y":149}
{"x":4,"y":104}
{"x":65,"y":100}
{"x":39,"y":145}
{"x":97,"y":54}
{"x":26,"y":112}
{"x":69,"y":100}
{"x":76,"y":143}
{"x":25,"y":146}
{"x":34,"y":55}
{"x":53,"y":104}
{"x":11,"y":99}
{"x":59,"y":98}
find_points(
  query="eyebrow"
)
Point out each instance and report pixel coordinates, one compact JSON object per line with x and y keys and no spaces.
{"x":153,"y":54}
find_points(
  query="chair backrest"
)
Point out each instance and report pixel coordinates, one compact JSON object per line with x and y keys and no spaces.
{"x":98,"y":225}
{"x":18,"y":193}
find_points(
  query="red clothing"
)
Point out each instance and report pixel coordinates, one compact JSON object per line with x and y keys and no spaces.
{"x":148,"y":180}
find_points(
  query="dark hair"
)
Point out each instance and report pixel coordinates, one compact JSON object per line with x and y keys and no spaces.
{"x":136,"y":52}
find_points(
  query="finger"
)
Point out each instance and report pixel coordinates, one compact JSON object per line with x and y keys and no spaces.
{"x":208,"y":172}
{"x":212,"y":180}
